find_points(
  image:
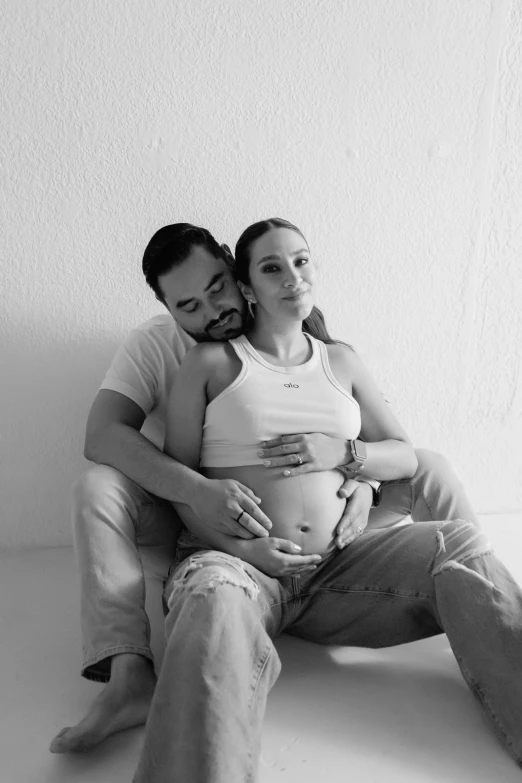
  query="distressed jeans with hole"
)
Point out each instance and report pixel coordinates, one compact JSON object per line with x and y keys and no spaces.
{"x":113,"y":516}
{"x":389,"y":587}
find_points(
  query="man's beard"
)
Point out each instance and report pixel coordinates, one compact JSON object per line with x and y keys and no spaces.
{"x":226,"y":333}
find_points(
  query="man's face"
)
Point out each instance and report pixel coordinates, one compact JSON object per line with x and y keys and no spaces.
{"x":202,"y":296}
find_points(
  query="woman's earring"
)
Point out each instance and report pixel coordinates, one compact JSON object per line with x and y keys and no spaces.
{"x":250,"y":308}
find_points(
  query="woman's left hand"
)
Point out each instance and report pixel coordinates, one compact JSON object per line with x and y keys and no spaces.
{"x":355,"y":517}
{"x":306,"y":453}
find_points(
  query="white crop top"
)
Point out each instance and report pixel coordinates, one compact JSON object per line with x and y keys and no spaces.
{"x":266,"y":401}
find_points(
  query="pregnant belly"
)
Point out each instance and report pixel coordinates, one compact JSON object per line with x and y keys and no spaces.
{"x":304,"y":509}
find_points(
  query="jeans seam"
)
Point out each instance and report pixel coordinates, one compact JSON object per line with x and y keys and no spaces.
{"x":117,"y":649}
{"x":262,"y":667}
{"x":275,"y":605}
{"x":109,"y":653}
{"x":378,"y":591}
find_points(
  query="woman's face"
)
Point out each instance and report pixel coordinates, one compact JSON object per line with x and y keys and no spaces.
{"x":282,"y":275}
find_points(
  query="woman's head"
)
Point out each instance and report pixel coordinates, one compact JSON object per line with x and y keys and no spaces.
{"x":275,"y":272}
{"x":274,"y":269}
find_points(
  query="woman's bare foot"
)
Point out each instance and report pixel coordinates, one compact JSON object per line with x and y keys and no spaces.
{"x":123,"y":703}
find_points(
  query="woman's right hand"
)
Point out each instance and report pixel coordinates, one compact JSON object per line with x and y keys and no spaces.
{"x":276,"y":557}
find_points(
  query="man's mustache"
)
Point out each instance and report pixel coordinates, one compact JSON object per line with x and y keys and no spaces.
{"x":222,"y":316}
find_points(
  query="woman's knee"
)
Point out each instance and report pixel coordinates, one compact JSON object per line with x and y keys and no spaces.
{"x":458,"y":541}
{"x":204,"y":574}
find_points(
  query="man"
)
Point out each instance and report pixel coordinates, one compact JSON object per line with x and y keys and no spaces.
{"x":125,"y":499}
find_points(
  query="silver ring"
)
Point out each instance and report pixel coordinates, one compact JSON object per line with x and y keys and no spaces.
{"x":299,"y":459}
{"x":358,"y":530}
{"x":239,"y":517}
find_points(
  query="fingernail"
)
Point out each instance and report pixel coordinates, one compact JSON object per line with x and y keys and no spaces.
{"x":267,"y":463}
{"x":286,"y":472}
{"x":260,"y":453}
{"x":296,"y":546}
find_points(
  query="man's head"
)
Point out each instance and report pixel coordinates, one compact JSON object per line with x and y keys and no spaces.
{"x":191,"y":274}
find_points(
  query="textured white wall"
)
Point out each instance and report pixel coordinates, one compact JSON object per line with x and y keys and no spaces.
{"x":390,"y":132}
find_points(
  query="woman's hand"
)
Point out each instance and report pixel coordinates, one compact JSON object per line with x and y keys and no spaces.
{"x":306,"y":453}
{"x":276,"y":556}
{"x":355,"y":517}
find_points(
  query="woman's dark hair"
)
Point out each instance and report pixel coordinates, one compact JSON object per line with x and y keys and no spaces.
{"x":172,"y":245}
{"x":314,"y":324}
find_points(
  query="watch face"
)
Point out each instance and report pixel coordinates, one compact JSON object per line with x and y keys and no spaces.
{"x":359,"y":449}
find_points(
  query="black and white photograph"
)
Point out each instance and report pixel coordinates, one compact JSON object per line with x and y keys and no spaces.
{"x":261,"y":385}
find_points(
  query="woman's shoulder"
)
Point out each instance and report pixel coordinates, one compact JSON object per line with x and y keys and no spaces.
{"x":340,"y":352}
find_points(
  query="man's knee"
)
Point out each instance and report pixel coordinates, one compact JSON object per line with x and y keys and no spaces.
{"x":435,"y":464}
{"x":98,"y":481}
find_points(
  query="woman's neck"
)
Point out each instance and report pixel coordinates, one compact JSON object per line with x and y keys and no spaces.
{"x":284,"y":342}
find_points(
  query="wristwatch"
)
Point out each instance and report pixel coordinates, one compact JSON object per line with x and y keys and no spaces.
{"x":358,"y":456}
{"x":376,"y":490}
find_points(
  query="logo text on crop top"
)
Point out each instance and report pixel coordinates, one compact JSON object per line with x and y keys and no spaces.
{"x":291,"y":385}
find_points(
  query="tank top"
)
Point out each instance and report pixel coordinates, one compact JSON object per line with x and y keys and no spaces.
{"x":266,"y":401}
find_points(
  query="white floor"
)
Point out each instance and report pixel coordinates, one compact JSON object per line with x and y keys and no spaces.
{"x":335,"y":715}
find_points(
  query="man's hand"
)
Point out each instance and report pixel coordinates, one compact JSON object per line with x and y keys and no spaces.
{"x":229,"y":507}
{"x":355,"y":517}
{"x":307,"y":453}
{"x":277,"y":557}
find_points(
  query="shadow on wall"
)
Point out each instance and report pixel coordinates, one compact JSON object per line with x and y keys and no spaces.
{"x":48,"y":386}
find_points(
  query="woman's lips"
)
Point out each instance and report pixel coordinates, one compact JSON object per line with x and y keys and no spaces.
{"x":297,"y":296}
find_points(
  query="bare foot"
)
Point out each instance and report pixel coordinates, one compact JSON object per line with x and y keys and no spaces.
{"x":123,"y":703}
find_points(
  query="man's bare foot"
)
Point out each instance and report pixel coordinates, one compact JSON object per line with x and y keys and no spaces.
{"x":123,"y":703}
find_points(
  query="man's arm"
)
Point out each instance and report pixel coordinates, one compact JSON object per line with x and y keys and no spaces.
{"x":113,"y":438}
{"x":183,"y":435}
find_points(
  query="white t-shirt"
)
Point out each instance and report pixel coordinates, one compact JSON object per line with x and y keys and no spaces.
{"x":143,"y":369}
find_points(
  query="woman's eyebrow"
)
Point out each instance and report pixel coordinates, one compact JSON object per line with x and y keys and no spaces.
{"x":275,"y":257}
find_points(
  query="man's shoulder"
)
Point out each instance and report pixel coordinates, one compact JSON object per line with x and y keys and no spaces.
{"x":208,"y":352}
{"x":161,"y":333}
{"x":163,"y":324}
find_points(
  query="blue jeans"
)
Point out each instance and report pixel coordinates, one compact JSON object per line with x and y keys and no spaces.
{"x":390,"y":586}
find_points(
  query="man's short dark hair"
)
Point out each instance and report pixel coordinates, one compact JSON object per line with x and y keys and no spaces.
{"x":172,"y":245}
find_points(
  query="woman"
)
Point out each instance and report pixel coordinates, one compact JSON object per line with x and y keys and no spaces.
{"x":389,"y":587}
{"x":284,"y":375}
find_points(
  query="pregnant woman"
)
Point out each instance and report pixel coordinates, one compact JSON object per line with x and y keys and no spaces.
{"x":388,"y":587}
{"x":285,"y":375}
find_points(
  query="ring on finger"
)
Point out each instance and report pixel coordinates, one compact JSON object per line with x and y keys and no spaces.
{"x":298,"y":459}
{"x":239,"y":517}
{"x":358,"y":530}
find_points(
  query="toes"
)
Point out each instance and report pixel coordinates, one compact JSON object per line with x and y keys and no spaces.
{"x":57,"y":745}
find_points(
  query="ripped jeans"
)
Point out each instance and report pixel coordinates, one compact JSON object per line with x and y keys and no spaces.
{"x":388,"y":587}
